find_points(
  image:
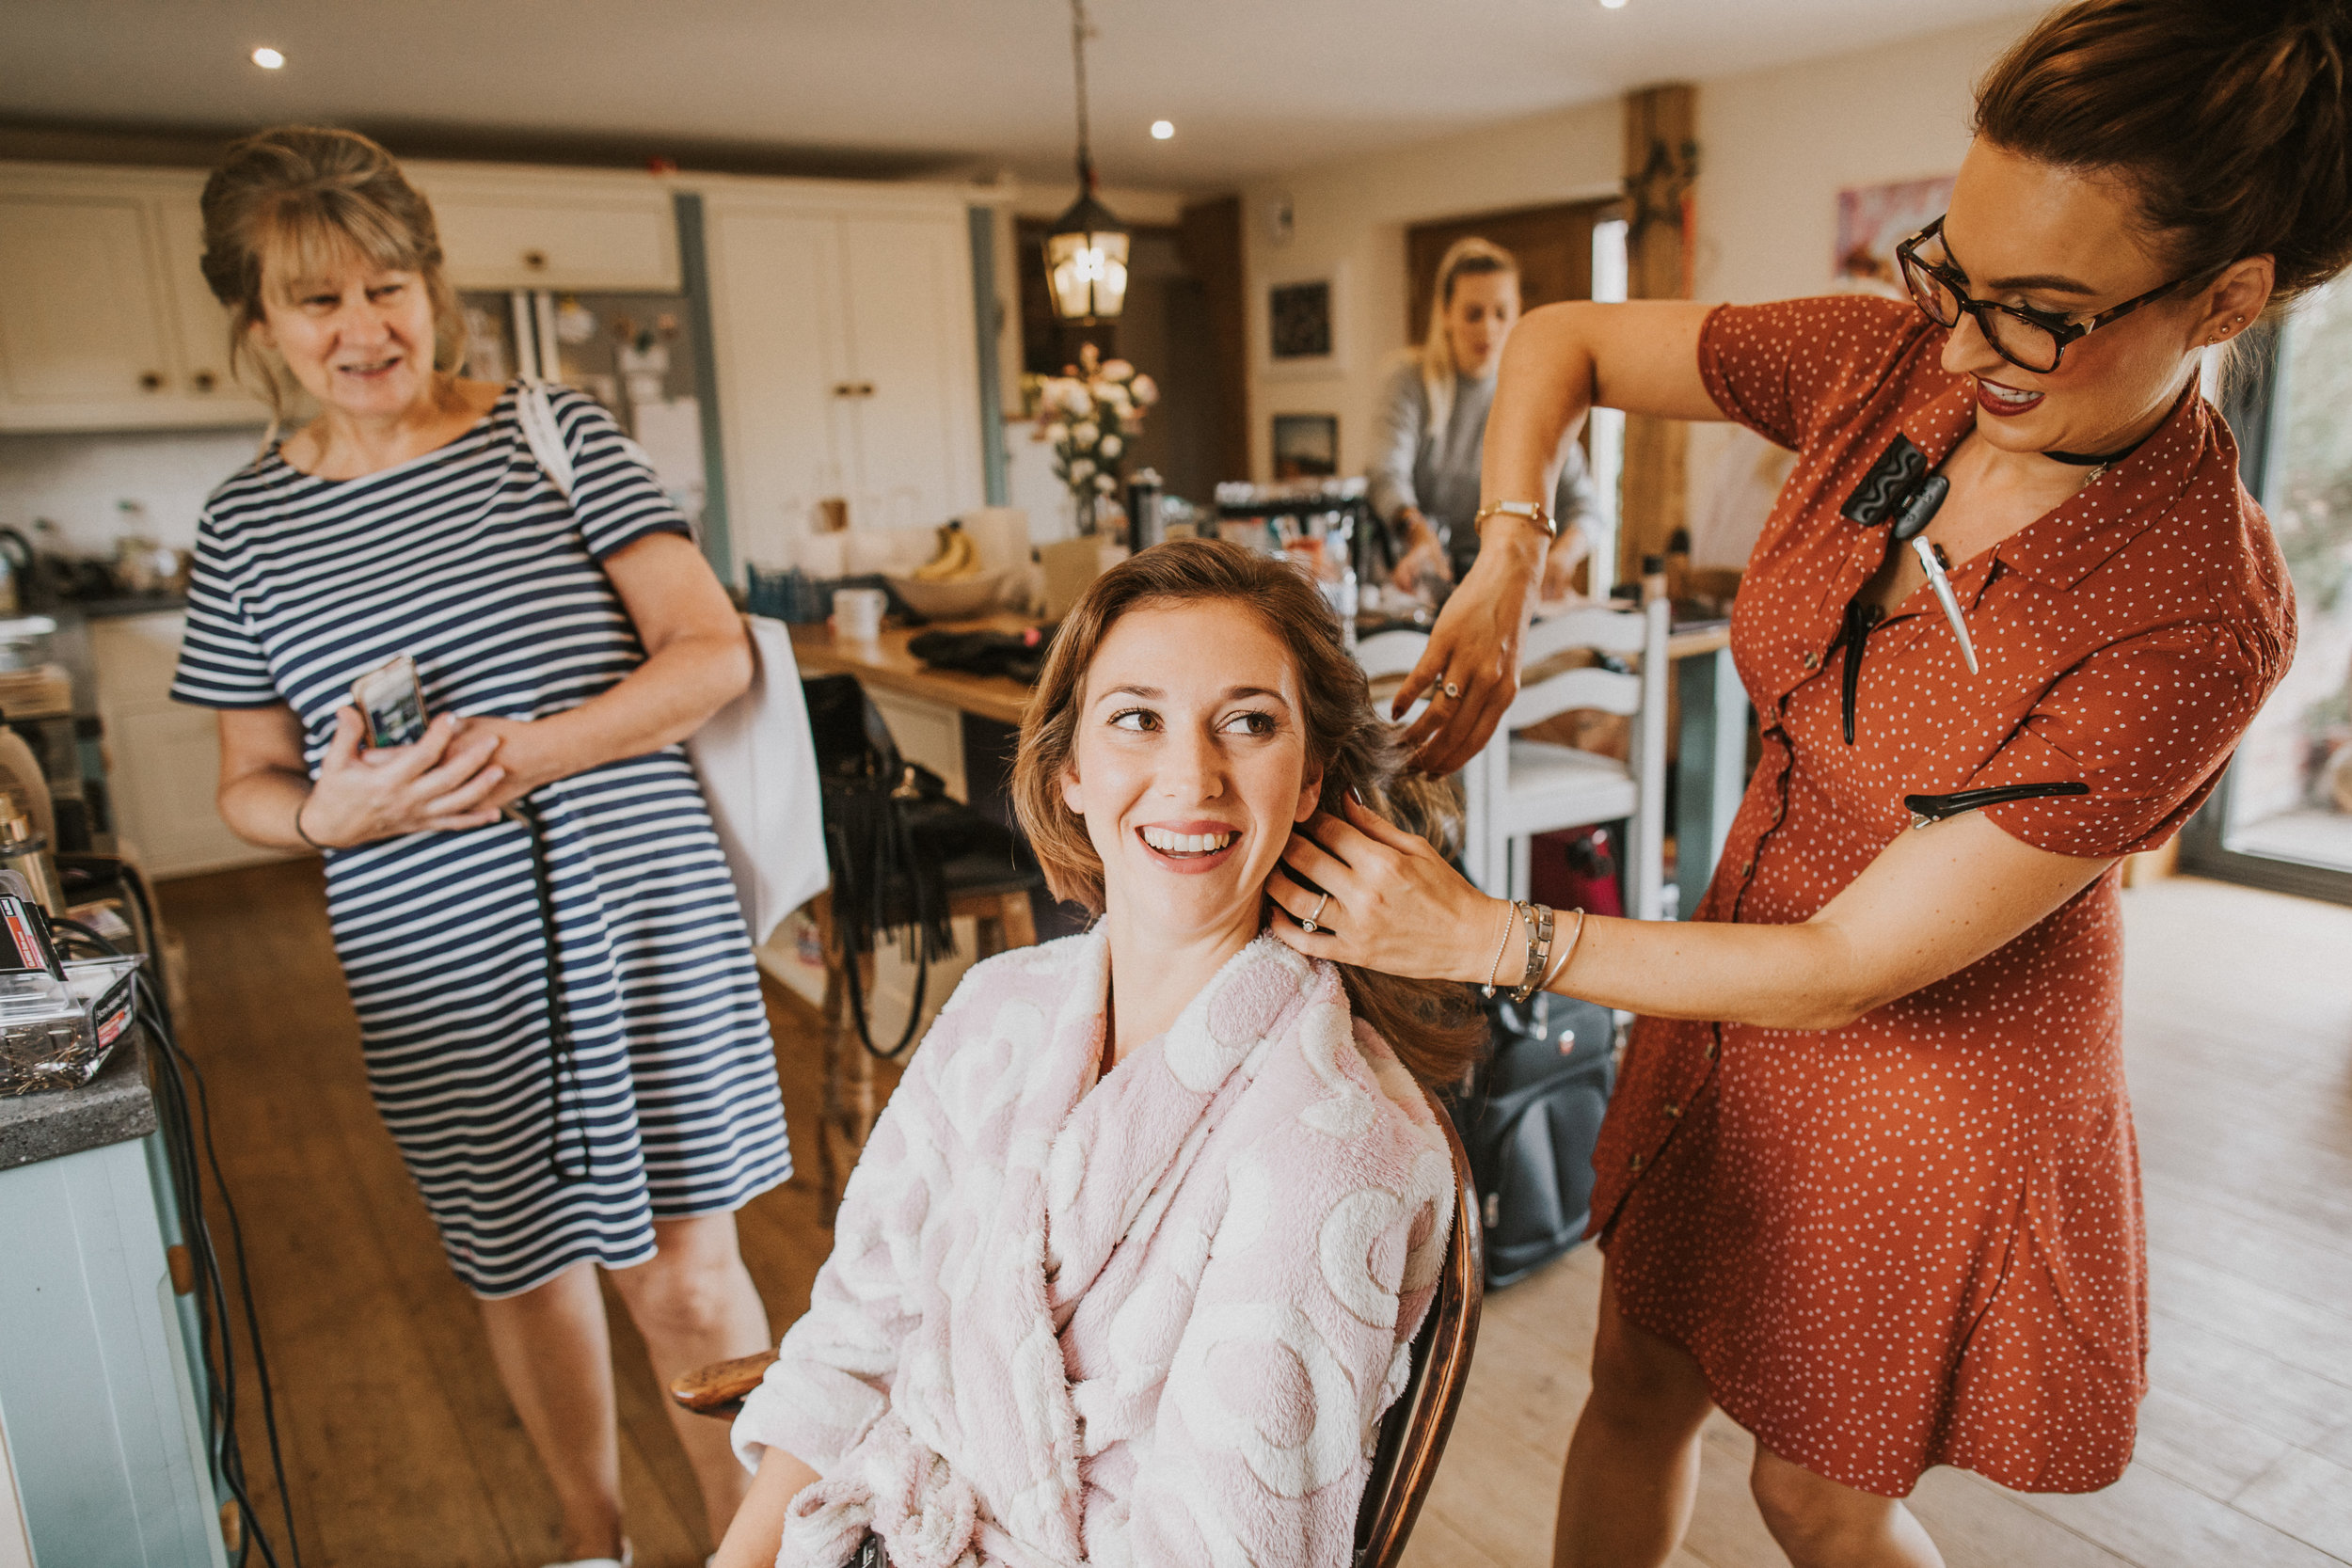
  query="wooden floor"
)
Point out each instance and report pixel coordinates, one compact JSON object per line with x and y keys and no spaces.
{"x":401,"y":1449}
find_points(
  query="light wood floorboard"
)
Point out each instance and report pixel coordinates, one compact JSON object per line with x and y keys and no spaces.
{"x":401,"y":1449}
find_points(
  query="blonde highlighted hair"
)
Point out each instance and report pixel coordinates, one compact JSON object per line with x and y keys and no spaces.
{"x":1468,"y":257}
{"x":1428,"y":1023}
{"x":298,"y":202}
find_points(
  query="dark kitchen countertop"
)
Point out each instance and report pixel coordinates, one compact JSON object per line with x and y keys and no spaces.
{"x":113,"y":1107}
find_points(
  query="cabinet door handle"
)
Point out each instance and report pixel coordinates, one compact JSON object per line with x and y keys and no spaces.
{"x":844,"y":389}
{"x":535,"y":259}
{"x":865,"y":388}
{"x":203,"y":380}
{"x":151,"y":381}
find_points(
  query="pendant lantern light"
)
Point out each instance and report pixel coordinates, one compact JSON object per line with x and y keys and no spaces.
{"x":1085,"y":255}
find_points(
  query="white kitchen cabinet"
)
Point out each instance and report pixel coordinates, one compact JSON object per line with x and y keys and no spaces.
{"x":162,"y":758}
{"x":106,"y":323}
{"x":510,"y":227}
{"x":846,"y":351}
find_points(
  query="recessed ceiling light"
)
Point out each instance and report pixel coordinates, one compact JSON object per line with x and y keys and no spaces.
{"x":1163,"y":129}
{"x":270,"y":59}
{"x":1612,"y":5}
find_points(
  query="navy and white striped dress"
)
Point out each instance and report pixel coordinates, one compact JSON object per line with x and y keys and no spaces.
{"x":469,"y":559}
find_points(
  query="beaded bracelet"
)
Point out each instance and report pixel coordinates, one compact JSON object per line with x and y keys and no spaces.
{"x":1510,"y":919}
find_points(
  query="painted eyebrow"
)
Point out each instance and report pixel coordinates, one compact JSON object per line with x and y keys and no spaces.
{"x":1154,"y":694}
{"x":2049,"y":282}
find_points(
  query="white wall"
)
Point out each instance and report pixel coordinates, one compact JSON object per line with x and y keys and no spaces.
{"x":78,"y":482}
{"x":1776,"y":147}
{"x":1348,"y":223}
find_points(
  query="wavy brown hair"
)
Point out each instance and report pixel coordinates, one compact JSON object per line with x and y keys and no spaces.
{"x":1429,"y":1023}
{"x":294,"y":203}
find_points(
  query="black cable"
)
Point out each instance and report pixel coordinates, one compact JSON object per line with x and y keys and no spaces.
{"x":161,"y":1030}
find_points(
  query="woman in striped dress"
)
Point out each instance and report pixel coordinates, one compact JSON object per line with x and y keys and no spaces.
{"x":608,"y":1104}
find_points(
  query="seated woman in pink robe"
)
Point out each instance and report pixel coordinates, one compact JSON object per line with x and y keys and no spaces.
{"x":1129,"y":1269}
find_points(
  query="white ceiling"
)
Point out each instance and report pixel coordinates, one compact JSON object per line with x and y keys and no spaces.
{"x":1254,"y":87}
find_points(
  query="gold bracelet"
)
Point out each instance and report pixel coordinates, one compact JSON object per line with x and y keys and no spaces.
{"x":1510,"y":918}
{"x":1574,"y":937}
{"x":1539,"y":949}
{"x":1533,"y":512}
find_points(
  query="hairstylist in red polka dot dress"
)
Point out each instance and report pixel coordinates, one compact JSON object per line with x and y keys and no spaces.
{"x":1868,"y":1183}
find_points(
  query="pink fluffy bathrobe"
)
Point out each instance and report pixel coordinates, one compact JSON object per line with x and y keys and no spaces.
{"x":1153,"y":1323}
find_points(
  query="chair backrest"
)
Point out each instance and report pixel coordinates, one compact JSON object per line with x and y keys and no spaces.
{"x":1485,"y":780}
{"x":1413,"y":1433}
{"x":1388,"y":654}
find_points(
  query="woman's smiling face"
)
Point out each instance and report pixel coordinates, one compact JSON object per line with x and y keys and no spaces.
{"x":1191,"y":766}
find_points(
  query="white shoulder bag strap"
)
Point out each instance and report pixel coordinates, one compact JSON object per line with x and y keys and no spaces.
{"x":536,"y":415}
{"x":756,"y":756}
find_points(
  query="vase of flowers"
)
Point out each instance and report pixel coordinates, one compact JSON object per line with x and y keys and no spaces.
{"x":1092,"y":415}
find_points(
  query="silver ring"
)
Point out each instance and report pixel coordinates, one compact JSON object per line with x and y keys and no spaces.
{"x":1451,"y":691}
{"x":1308,"y":924}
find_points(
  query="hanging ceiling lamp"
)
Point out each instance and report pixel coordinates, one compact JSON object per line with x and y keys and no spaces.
{"x":1085,"y":255}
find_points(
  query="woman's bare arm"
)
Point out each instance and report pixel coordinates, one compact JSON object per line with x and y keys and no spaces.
{"x":1561,"y":360}
{"x":266,"y":796}
{"x":697,"y":660}
{"x":759,"y":1528}
{"x":1933,"y":902}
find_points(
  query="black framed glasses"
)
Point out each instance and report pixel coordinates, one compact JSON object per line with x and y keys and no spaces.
{"x":2030,"y":340}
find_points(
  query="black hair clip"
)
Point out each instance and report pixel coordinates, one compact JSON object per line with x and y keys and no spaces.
{"x":1891,"y":482}
{"x":1926,"y":809}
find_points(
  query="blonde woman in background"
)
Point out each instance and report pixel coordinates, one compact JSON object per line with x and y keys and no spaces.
{"x":1433,"y":427}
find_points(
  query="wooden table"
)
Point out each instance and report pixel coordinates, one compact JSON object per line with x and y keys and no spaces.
{"x":886,"y":663}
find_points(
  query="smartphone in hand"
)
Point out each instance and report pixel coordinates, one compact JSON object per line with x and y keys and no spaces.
{"x":391,"y":703}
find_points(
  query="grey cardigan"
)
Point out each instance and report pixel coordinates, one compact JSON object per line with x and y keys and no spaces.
{"x":1416,"y":463}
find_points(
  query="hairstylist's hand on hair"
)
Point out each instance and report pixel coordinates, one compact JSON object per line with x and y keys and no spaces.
{"x":1474,"y":649}
{"x":1394,"y":906}
{"x":444,"y":783}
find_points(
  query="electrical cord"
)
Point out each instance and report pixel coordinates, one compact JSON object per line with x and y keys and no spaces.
{"x":218,"y":1347}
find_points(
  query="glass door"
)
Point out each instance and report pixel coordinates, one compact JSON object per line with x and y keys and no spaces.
{"x":2282,"y":817}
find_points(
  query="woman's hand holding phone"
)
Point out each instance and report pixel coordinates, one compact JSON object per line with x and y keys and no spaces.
{"x":444,"y":783}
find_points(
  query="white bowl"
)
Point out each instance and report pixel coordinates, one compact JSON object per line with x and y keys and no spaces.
{"x":958,"y":601}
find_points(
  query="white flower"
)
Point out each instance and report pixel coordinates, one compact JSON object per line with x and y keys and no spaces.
{"x":1112,"y":447}
{"x":1147,"y":390}
{"x":1118,"y":370}
{"x":1080,"y":469}
{"x":1105,"y":485}
{"x":1116,"y":398}
{"x":1076,"y":401}
{"x":1085,"y":434}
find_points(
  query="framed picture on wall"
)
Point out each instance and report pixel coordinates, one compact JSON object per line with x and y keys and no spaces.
{"x":1873,"y":220}
{"x":1303,"y":332}
{"x":1306,"y":446}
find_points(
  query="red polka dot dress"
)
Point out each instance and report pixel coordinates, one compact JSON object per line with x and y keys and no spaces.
{"x":1916,"y":1239}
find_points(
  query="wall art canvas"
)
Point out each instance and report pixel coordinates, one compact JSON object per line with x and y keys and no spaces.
{"x":1873,"y":219}
{"x":1306,"y":446}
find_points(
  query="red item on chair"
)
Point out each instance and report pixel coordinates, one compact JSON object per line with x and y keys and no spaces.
{"x":1575,"y":868}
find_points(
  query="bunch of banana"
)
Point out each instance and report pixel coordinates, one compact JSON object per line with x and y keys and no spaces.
{"x":956,"y":560}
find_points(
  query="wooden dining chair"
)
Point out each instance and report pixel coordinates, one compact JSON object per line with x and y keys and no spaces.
{"x":1412,"y":1434}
